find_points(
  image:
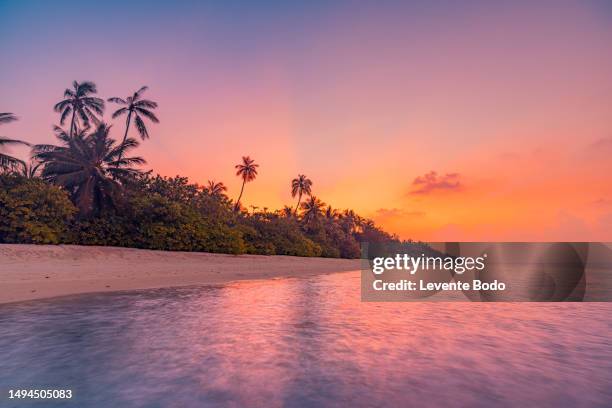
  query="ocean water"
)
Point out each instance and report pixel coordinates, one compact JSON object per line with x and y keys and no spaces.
{"x":303,"y":343}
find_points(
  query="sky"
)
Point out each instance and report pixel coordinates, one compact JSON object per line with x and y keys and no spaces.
{"x":443,"y":120}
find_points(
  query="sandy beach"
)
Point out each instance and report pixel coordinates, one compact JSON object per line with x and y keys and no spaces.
{"x":42,"y":271}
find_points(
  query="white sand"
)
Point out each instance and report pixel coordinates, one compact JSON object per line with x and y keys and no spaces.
{"x":42,"y":271}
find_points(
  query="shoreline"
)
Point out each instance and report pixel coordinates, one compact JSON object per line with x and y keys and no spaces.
{"x":29,"y":272}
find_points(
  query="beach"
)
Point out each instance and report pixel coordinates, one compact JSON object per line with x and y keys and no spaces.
{"x":42,"y":271}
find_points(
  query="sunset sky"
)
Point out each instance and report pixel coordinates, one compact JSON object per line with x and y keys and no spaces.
{"x":454,"y":120}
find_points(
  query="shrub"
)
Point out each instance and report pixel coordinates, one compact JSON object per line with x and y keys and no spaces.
{"x":151,"y":221}
{"x":107,"y":229}
{"x":173,"y":214}
{"x":333,"y":240}
{"x":33,"y":212}
{"x":273,"y":235}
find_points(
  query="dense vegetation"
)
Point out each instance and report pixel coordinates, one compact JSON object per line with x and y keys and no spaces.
{"x":88,"y":189}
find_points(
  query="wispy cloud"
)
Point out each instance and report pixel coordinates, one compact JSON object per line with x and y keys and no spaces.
{"x":604,"y":202}
{"x":398,"y":212}
{"x":432,"y":182}
{"x":509,"y":156}
{"x":604,"y":143}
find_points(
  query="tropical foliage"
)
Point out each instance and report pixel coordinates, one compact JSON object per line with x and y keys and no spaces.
{"x":29,"y":170}
{"x":33,"y":212}
{"x":79,"y":104}
{"x":216,"y":190}
{"x":6,"y":161}
{"x":300,"y":185}
{"x":89,"y":189}
{"x":312,"y":211}
{"x":89,"y":167}
{"x":138,"y":108}
{"x":247,"y":170}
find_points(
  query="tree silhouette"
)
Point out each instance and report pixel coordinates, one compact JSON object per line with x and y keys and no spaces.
{"x":300,"y":185}
{"x":88,"y":167}
{"x":216,"y":190}
{"x":135,"y":107}
{"x":80,"y":105}
{"x":312,"y":210}
{"x":6,"y":161}
{"x":247,"y":170}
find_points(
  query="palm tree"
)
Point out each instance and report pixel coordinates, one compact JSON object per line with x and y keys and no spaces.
{"x":216,"y":190}
{"x":330,"y":213}
{"x":138,"y":108}
{"x":7,"y":117}
{"x":312,"y":210}
{"x":347,"y":221}
{"x":286,"y":212}
{"x":300,"y":185}
{"x":350,"y":221}
{"x":7,"y":161}
{"x":80,"y":105}
{"x":248,"y":171}
{"x":29,"y":170}
{"x":88,"y":167}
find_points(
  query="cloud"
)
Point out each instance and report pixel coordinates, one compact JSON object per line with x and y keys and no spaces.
{"x":599,"y":149}
{"x":432,"y":182}
{"x":509,"y":156}
{"x":603,"y":143}
{"x":605,"y":223}
{"x":449,"y":232}
{"x":570,"y":227}
{"x":397,"y":212}
{"x":603,"y":202}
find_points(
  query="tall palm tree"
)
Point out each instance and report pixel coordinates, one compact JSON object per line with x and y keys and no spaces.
{"x":88,"y":167}
{"x":312,"y":210}
{"x":138,"y":108}
{"x":6,"y":161}
{"x":300,"y":185}
{"x":80,"y":106}
{"x":248,"y":171}
{"x":216,"y":190}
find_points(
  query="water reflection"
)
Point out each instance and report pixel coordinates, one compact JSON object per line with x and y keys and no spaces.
{"x":304,"y":342}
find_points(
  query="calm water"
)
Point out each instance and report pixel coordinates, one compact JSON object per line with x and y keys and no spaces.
{"x":304,"y":343}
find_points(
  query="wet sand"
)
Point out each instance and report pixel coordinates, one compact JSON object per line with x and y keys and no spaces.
{"x":43,"y":271}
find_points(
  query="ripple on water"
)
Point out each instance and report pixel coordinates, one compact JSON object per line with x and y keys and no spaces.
{"x":304,"y":342}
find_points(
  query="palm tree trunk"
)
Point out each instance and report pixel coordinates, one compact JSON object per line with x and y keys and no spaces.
{"x":72,"y":129}
{"x":127,"y":127}
{"x":298,"y":204}
{"x":240,"y":196}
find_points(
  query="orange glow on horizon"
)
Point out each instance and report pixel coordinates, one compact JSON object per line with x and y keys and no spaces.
{"x":363,"y":104}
